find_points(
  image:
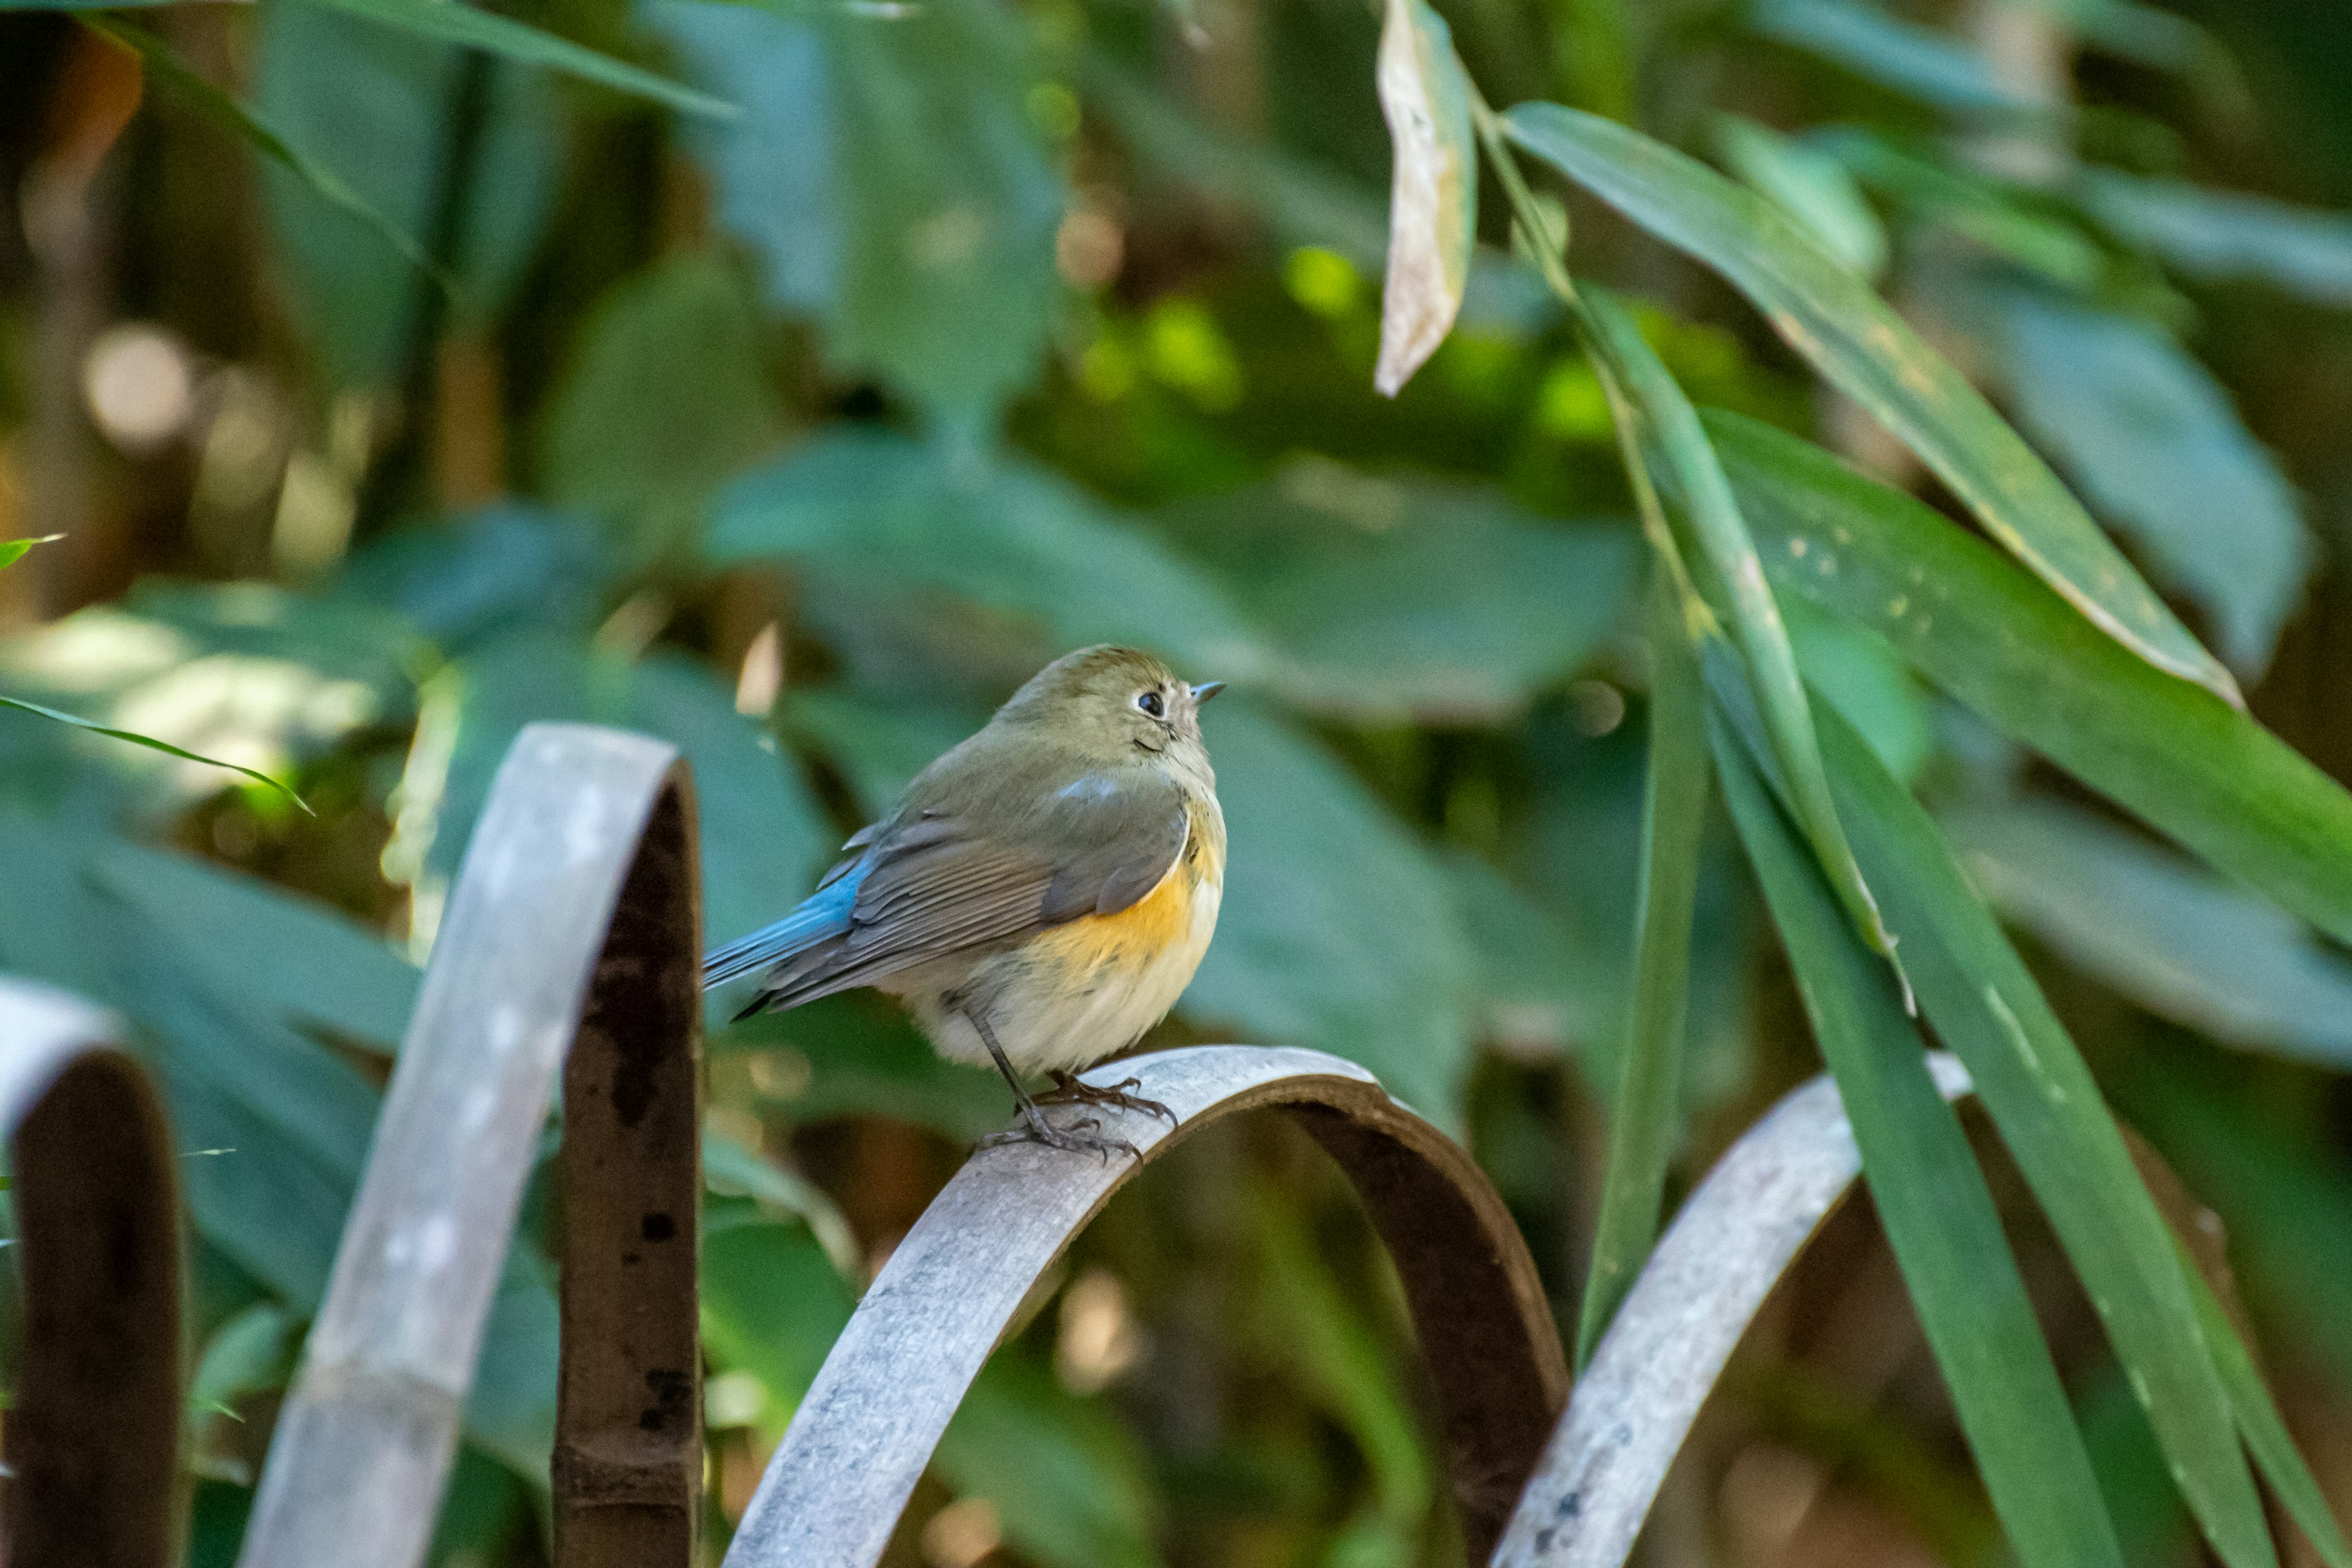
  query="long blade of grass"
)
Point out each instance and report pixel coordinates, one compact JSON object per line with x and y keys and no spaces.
{"x":2187,"y":764}
{"x":176,"y":74}
{"x":1987,"y":1009}
{"x":153,"y":744}
{"x":455,"y":22}
{"x":12,"y":549}
{"x":1641,"y":1120}
{"x":1712,"y":515}
{"x":2265,"y":1430}
{"x":1938,"y":1213}
{"x":1855,"y":339}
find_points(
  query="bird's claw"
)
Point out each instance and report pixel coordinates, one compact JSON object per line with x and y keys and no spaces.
{"x":1078,"y":1138}
{"x":1071,"y":1090}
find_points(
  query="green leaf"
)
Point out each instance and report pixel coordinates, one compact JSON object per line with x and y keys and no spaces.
{"x":859,"y":1055}
{"x":1810,"y":186}
{"x":772,"y":1304}
{"x":1318,"y":1333}
{"x":891,"y":178}
{"x":731,"y":1168}
{"x":2217,"y":236}
{"x":664,"y":400}
{"x":1382,"y":599}
{"x":11,"y":549}
{"x":1938,"y":1215}
{"x":176,"y":74}
{"x":309,"y":965}
{"x":1711,"y":515}
{"x":1336,"y":929}
{"x":1992,"y":213}
{"x":2154,"y":442}
{"x":1854,"y":670}
{"x":1069,"y":1483}
{"x":2188,"y":763}
{"x":2174,"y":938}
{"x":500,"y":569}
{"x":2281,"y":1188}
{"x":996,"y":531}
{"x":763,"y":839}
{"x":1642,"y":1118}
{"x":1985,"y":1008}
{"x":455,"y":22}
{"x":249,"y":1354}
{"x":1851,"y":337}
{"x":1303,"y":202}
{"x":1433,"y":190}
{"x":241,"y":670}
{"x":371,"y":107}
{"x":153,"y":744}
{"x":1915,"y":61}
{"x":2266,"y":1434}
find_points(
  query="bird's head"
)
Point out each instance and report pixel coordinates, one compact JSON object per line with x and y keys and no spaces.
{"x":1114,"y":702}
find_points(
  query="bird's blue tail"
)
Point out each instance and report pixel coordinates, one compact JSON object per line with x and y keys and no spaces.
{"x":823,"y":915}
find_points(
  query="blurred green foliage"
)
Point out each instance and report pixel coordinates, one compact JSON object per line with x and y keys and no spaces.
{"x":789,"y":380}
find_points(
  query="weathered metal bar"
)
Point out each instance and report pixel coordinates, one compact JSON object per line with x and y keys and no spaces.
{"x":1676,"y":1329}
{"x":93,"y":1437}
{"x":836,"y":1488}
{"x":580,"y":824}
{"x":628,"y":1443}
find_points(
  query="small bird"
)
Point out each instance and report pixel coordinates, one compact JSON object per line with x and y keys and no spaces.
{"x":1039,"y":896}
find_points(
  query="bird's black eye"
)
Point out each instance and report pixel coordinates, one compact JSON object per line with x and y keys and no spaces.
{"x":1150,"y":702}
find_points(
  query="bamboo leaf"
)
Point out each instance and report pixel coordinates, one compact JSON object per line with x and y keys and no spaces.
{"x":2152,"y":438}
{"x":1811,"y":185}
{"x":455,"y":22}
{"x":1434,"y":196}
{"x":1713,"y":516}
{"x":1987,"y":1009}
{"x":2173,"y":937}
{"x":153,"y":744}
{"x":12,"y":549}
{"x":2265,"y":1431}
{"x":2186,"y":763}
{"x":1641,"y":1121}
{"x":1851,"y":337}
{"x":1938,"y":1213}
{"x":1933,"y":68}
{"x":167,"y":67}
{"x":2218,"y":237}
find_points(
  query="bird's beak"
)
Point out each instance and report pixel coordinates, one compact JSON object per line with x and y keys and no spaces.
{"x":1205,"y":691}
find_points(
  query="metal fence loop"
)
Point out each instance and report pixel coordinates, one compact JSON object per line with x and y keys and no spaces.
{"x":574,"y":917}
{"x":92,"y":1443}
{"x":1734,"y":1239}
{"x":834,"y":1490}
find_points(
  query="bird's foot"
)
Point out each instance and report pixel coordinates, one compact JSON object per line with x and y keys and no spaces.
{"x":1071,"y":1090}
{"x":1080,"y":1137}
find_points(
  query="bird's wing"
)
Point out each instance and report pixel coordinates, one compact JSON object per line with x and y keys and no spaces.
{"x":929,"y":884}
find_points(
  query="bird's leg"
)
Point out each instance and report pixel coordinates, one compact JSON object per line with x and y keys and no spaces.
{"x":1035,"y":1129}
{"x":1069,"y":1089}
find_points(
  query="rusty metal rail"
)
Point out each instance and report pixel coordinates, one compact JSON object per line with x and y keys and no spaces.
{"x":93,"y":1436}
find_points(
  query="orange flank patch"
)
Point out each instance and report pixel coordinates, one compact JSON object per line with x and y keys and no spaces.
{"x":1128,"y":938}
